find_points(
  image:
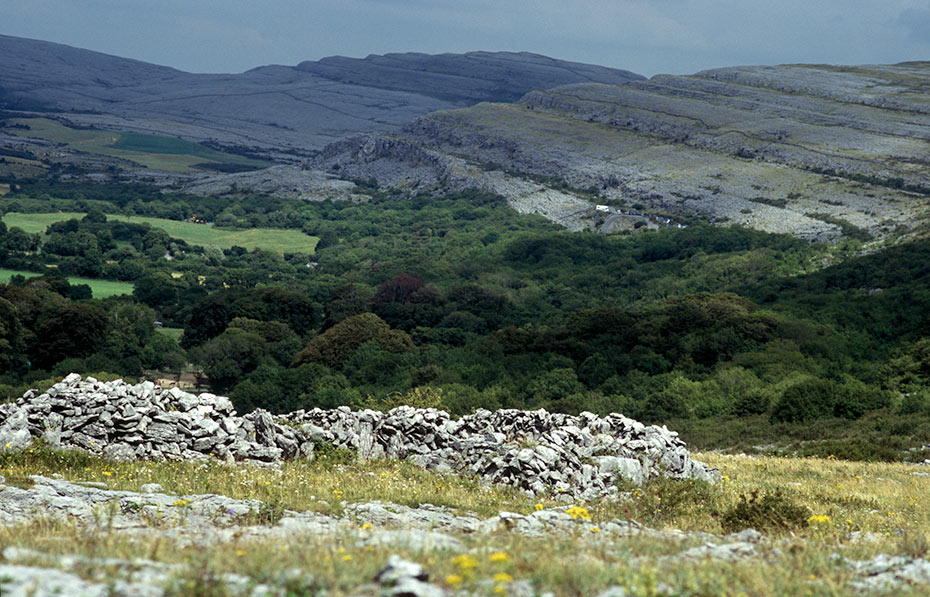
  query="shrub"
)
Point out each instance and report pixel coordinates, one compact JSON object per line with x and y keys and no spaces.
{"x":662,"y":498}
{"x":854,"y":399}
{"x":857,"y":448}
{"x":754,"y":402}
{"x":914,"y":403}
{"x":771,"y":511}
{"x":806,"y":400}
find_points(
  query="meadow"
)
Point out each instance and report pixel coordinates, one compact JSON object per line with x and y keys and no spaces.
{"x":152,"y":151}
{"x":842,"y":510}
{"x":99,"y":288}
{"x":268,"y":239}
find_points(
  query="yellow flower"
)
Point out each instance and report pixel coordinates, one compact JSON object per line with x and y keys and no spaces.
{"x":499,"y":556}
{"x":367,"y":526}
{"x":267,"y":482}
{"x":595,"y":529}
{"x":577,"y":512}
{"x":341,"y":550}
{"x":500,"y":589}
{"x":346,"y":558}
{"x":454,"y":580}
{"x":240,"y":553}
{"x":465,"y":561}
{"x":819,"y":519}
{"x":181,"y":503}
{"x":107,"y":473}
{"x":539,"y":507}
{"x":502,"y":577}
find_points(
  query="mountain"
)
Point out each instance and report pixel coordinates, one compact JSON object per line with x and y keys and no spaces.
{"x":272,"y":108}
{"x":822,"y":152}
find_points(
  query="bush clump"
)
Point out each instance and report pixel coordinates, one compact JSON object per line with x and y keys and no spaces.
{"x":774,"y":511}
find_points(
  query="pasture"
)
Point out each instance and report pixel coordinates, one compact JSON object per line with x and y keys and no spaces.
{"x":99,"y":288}
{"x":268,"y":239}
{"x":152,"y":151}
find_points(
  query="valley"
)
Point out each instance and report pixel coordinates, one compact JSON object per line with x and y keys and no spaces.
{"x":449,"y":316}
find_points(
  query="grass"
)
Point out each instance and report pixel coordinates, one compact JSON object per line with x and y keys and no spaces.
{"x":881,"y":435}
{"x":886,"y":500}
{"x":99,"y":288}
{"x":153,"y":151}
{"x":268,"y":239}
{"x":175,"y":333}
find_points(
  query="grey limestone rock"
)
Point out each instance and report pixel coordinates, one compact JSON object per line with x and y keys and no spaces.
{"x":573,"y":457}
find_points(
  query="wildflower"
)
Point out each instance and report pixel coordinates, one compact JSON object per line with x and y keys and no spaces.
{"x":454,"y":580}
{"x":240,"y":553}
{"x":595,"y":529}
{"x":500,"y":589}
{"x":367,"y":526}
{"x":502,"y":577}
{"x":346,"y":558}
{"x":819,"y":519}
{"x":465,"y":561}
{"x":499,"y":556}
{"x":341,"y":550}
{"x":267,"y":482}
{"x":181,"y":503}
{"x":539,"y":507}
{"x":107,"y":473}
{"x":577,"y":512}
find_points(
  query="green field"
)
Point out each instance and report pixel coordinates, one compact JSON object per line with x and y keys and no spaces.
{"x":153,"y":151}
{"x":268,"y":239}
{"x":99,"y":288}
{"x":175,"y":333}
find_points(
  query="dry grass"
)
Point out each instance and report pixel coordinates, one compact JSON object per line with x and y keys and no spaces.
{"x":883,"y":499}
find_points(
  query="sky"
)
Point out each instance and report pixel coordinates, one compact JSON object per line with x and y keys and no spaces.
{"x":645,"y":36}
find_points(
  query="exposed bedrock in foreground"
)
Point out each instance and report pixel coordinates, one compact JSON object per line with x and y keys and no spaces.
{"x":535,"y":451}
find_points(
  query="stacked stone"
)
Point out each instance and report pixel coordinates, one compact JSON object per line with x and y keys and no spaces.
{"x":535,"y":451}
{"x":125,"y":422}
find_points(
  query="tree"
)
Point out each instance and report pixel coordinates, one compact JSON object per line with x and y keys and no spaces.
{"x":338,"y":343}
{"x":157,"y":290}
{"x":229,"y":357}
{"x":70,"y":330}
{"x":12,"y":340}
{"x":346,"y":301}
{"x":398,"y":289}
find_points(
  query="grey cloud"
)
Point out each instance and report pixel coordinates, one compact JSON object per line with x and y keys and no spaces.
{"x":917,"y":24}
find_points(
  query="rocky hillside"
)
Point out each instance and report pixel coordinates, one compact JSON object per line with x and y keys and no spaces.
{"x":817,"y":151}
{"x":270,"y":108}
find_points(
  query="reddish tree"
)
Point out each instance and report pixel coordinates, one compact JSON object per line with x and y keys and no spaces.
{"x":399,"y":289}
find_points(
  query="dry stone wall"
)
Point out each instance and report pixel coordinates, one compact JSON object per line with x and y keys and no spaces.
{"x":580,"y":457}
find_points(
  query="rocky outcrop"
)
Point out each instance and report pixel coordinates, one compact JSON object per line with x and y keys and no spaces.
{"x":814,"y":151}
{"x":538,"y":452}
